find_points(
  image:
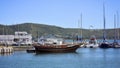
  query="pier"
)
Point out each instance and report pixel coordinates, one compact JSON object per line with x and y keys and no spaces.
{"x":5,"y":49}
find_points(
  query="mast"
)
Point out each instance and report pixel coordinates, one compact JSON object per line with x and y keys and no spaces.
{"x":104,"y":21}
{"x":114,"y":28}
{"x":81,"y":27}
{"x":118,"y":32}
{"x":78,"y":31}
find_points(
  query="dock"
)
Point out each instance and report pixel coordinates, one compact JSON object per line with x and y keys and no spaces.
{"x":6,"y":49}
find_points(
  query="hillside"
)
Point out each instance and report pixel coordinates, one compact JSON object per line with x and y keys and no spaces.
{"x":41,"y":29}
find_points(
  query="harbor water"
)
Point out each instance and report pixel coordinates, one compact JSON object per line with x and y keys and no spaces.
{"x":82,"y":58}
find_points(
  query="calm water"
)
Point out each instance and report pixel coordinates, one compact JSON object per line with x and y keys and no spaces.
{"x":83,"y":58}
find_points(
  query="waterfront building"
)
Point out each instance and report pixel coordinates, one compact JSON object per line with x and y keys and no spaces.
{"x":6,"y":39}
{"x":17,"y":39}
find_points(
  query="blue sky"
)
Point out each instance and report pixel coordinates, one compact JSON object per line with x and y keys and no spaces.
{"x":63,"y":13}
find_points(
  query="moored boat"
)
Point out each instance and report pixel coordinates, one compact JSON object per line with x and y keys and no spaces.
{"x":116,"y":43}
{"x":55,"y":48}
{"x":104,"y":44}
{"x":53,"y":44}
{"x":92,"y":43}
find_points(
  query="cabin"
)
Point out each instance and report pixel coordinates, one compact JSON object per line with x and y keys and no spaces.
{"x":50,"y":40}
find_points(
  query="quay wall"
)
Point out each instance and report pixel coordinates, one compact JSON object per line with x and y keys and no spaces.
{"x":22,"y":48}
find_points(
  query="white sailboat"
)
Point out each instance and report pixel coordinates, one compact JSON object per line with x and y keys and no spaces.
{"x":116,"y":37}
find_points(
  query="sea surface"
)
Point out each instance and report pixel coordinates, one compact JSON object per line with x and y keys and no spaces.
{"x":82,"y":58}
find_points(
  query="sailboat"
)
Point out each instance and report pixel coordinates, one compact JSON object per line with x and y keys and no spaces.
{"x":115,"y":43}
{"x":54,"y":45}
{"x":79,"y":38}
{"x":105,"y":43}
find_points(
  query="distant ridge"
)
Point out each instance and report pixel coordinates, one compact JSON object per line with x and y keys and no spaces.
{"x":42,"y":29}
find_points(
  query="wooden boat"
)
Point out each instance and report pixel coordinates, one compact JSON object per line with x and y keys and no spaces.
{"x":55,"y":48}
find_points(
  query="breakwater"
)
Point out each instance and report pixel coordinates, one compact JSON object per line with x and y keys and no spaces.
{"x":10,"y":49}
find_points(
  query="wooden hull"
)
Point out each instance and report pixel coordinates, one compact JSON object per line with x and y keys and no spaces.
{"x":41,"y":49}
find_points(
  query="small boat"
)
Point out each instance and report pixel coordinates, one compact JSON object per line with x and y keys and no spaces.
{"x":30,"y":51}
{"x":116,"y":44}
{"x":54,"y":45}
{"x":92,"y":43}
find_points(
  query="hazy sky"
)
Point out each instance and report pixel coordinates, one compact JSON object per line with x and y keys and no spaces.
{"x":63,"y":13}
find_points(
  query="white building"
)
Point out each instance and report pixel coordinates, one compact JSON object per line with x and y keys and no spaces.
{"x":18,"y":38}
{"x":6,"y":39}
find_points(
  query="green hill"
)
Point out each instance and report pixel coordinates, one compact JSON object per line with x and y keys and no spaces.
{"x":41,"y":29}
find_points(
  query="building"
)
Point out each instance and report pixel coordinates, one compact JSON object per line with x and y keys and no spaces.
{"x":18,"y":38}
{"x":6,"y":39}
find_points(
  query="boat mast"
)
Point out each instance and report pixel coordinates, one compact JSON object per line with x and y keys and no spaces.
{"x":104,"y":21}
{"x":114,"y":28}
{"x":81,"y":27}
{"x":118,"y":26}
